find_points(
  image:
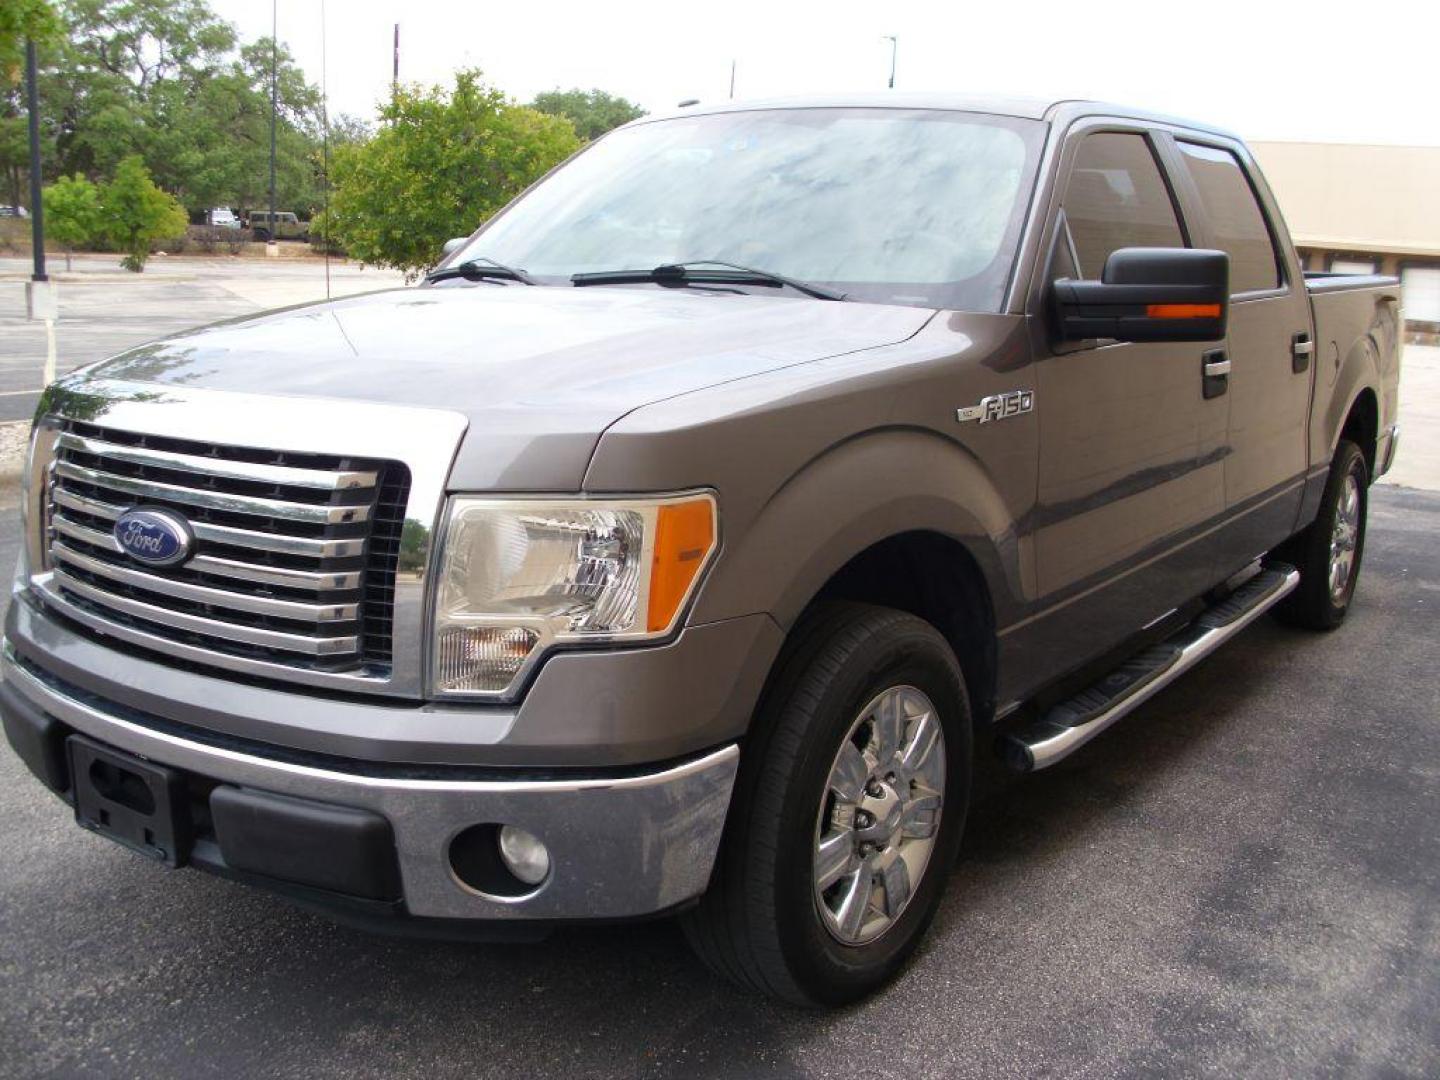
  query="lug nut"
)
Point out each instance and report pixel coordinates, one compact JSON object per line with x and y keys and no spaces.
{"x":874,"y":789}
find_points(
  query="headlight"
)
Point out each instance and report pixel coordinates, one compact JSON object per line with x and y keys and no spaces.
{"x":518,"y":575}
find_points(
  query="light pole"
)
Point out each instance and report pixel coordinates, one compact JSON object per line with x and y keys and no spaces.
{"x":270,"y":245}
{"x":894,"y":44}
{"x":37,"y":206}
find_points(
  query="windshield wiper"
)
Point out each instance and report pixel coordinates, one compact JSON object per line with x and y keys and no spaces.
{"x":479,"y":268}
{"x":695,"y":272}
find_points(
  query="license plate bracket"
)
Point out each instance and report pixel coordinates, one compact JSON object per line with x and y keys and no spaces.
{"x":134,"y":802}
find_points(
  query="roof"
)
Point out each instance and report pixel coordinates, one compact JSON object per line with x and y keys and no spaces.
{"x":1055,"y":110}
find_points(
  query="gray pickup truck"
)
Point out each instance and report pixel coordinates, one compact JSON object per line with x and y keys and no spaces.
{"x":704,"y":530}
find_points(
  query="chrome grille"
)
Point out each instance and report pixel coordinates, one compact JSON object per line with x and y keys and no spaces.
{"x":295,"y":555}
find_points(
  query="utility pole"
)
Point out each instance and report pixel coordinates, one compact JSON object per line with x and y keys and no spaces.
{"x":271,"y":247}
{"x":732,"y":78}
{"x":37,"y":206}
{"x":41,"y":301}
{"x":894,"y":44}
{"x":395,"y":67}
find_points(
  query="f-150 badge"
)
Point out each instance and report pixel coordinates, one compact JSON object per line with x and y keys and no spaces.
{"x":998,"y":407}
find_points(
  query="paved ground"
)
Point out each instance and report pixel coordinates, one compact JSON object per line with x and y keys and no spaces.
{"x":104,"y":309}
{"x":1242,"y":879}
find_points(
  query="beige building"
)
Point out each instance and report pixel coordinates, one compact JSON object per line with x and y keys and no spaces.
{"x":1367,"y":209}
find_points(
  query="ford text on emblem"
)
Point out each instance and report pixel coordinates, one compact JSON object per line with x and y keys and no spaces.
{"x":154,"y":537}
{"x":998,"y":407}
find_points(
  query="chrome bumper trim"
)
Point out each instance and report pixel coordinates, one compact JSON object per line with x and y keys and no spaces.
{"x":1392,"y":446}
{"x":620,"y":847}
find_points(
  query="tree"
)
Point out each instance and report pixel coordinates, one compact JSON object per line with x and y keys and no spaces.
{"x":168,"y":80}
{"x":19,"y":20}
{"x":440,"y":165}
{"x":593,"y":112}
{"x":137,"y":212}
{"x":72,"y":212}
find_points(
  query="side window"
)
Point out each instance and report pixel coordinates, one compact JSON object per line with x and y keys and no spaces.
{"x":1234,"y":215}
{"x":1116,"y":198}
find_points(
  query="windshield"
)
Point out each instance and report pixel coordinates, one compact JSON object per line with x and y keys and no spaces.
{"x":894,"y":206}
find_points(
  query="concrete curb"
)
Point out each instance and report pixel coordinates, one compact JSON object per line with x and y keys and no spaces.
{"x":104,"y":277}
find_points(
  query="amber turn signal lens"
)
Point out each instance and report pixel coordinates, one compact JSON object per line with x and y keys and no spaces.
{"x":1183,"y":311}
{"x":684,"y":535}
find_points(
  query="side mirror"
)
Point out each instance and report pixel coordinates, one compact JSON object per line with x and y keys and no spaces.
{"x":452,"y":245}
{"x":1149,"y":294}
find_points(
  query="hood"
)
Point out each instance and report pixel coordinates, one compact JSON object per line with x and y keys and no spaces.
{"x":538,"y":372}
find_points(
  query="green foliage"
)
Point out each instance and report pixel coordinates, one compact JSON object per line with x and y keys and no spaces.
{"x":170,"y":81}
{"x":137,"y":212}
{"x":21,"y":19}
{"x":440,"y":165}
{"x":72,"y":212}
{"x":593,"y":112}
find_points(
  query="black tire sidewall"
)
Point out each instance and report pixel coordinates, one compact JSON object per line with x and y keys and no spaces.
{"x":827,"y":970}
{"x":1349,"y":460}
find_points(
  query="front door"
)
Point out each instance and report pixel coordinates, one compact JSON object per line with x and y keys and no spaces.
{"x":1131,"y":450}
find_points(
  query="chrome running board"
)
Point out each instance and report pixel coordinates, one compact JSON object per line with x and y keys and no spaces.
{"x":1071,"y":724}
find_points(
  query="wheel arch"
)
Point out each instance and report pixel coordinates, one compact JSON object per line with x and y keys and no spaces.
{"x":935,"y":578}
{"x":902,"y":518}
{"x":1362,"y":426}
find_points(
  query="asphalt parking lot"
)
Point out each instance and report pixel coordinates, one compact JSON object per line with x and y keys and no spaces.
{"x":1243,"y":878}
{"x":1240,"y":880}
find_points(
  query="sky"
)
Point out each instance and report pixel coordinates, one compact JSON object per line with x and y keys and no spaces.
{"x":1356,"y":71}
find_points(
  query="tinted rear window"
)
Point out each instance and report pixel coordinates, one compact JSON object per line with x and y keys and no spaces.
{"x":1236,"y":222}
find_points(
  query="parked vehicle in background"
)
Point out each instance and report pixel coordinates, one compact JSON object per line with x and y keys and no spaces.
{"x":222,"y":217}
{"x":703,"y":529}
{"x":14,"y":211}
{"x":286,"y":226}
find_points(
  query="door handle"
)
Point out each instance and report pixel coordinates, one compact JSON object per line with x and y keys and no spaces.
{"x":1301,"y":349}
{"x":1214,"y":373}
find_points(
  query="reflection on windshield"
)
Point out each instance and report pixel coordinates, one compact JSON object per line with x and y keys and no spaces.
{"x":896,"y":206}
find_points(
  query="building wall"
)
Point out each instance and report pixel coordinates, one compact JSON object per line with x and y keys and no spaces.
{"x":1360,"y":198}
{"x":1357,"y":203}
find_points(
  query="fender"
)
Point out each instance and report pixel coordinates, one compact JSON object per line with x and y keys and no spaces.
{"x":856,"y":494}
{"x":1346,"y":369}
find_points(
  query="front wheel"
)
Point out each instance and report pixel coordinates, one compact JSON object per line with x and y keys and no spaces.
{"x":848,"y":811}
{"x":1328,"y":552}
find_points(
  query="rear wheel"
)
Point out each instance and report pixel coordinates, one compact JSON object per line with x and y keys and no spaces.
{"x":848,"y":811}
{"x":1328,"y":552}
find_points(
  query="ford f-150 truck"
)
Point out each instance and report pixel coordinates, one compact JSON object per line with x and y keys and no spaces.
{"x":703,"y":529}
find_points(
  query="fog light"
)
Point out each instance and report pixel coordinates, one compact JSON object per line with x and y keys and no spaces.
{"x":524,"y":854}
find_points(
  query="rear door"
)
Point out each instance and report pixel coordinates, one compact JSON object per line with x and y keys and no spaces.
{"x":1269,"y":346}
{"x":1131,"y":466}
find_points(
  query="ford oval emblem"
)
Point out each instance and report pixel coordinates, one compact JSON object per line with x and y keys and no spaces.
{"x":154,"y":537}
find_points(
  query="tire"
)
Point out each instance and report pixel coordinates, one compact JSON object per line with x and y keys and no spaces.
{"x":1317,"y":603}
{"x":760,"y":924}
{"x":262,"y":235}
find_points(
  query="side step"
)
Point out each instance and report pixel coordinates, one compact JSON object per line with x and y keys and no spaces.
{"x":1071,"y":724}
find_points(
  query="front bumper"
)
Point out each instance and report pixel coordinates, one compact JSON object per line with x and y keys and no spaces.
{"x":622,"y":846}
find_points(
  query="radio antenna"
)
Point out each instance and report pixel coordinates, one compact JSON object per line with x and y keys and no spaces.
{"x":325,"y":149}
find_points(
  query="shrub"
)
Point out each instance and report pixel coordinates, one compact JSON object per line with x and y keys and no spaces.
{"x":72,"y":213}
{"x":137,"y":212}
{"x":443,"y":162}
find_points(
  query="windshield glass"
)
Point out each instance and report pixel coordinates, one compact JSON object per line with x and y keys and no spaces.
{"x":895,"y":206}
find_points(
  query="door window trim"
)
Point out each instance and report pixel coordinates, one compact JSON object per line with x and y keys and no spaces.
{"x":1175,"y":158}
{"x":1038,"y":290}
